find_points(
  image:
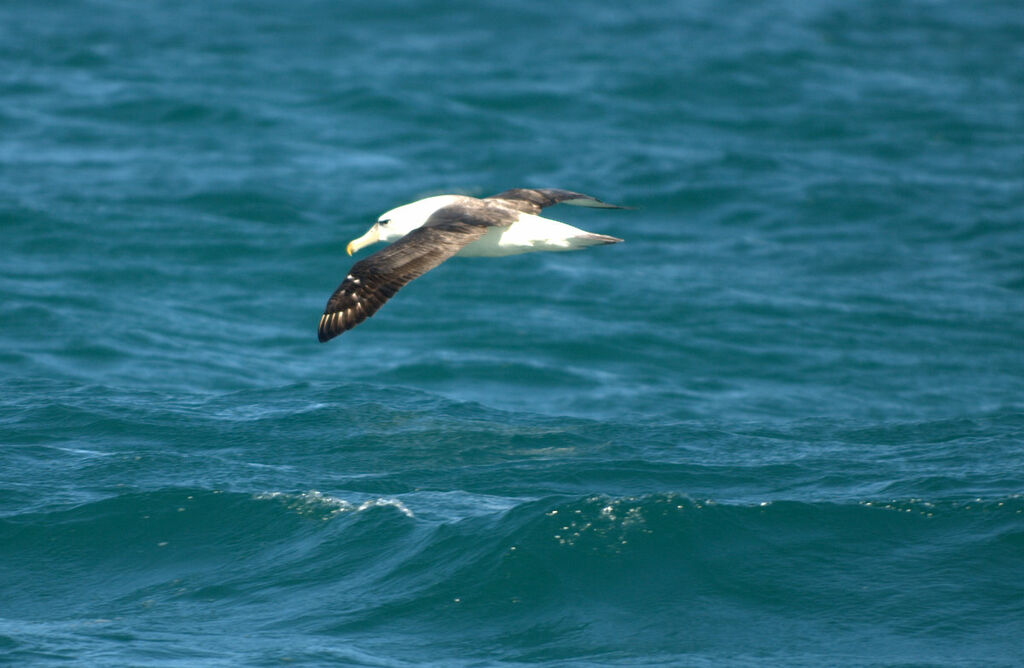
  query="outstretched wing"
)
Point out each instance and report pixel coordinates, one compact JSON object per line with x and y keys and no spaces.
{"x":375,"y":279}
{"x":532,"y":200}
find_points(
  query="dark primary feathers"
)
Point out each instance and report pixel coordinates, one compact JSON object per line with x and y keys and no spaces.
{"x":532,"y":200}
{"x":374,"y":280}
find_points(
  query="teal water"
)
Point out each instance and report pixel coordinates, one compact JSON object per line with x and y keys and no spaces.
{"x":782,"y":424}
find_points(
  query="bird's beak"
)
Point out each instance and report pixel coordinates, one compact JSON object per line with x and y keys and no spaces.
{"x":371,"y":237}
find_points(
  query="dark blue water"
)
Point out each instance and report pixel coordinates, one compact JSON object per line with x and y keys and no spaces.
{"x":782,"y":424}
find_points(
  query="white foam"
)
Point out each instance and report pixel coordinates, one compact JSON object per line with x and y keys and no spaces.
{"x":313,"y":502}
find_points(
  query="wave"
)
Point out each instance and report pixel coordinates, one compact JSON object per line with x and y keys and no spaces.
{"x":665,"y":568}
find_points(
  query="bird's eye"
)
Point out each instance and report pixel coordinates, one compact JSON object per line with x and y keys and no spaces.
{"x":384,"y":222}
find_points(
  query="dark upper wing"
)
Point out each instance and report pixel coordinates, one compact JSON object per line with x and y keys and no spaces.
{"x":532,"y":200}
{"x":476,"y":212}
{"x":375,"y":279}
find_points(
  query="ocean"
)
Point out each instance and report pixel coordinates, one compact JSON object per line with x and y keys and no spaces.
{"x":782,"y":424}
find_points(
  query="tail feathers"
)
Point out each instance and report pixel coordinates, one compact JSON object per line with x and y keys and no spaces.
{"x":605,"y":239}
{"x":590,"y":239}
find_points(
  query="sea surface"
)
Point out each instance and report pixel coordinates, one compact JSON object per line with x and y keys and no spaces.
{"x":781,"y":425}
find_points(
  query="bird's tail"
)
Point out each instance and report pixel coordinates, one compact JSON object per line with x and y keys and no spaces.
{"x":591,"y":239}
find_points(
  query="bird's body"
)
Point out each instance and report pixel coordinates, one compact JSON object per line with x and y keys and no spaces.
{"x":530,"y":234}
{"x":431,"y":230}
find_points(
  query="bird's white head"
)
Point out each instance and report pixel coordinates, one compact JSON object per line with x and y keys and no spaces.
{"x":400,"y":221}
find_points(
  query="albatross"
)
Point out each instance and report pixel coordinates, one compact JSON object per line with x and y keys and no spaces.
{"x":427,"y":232}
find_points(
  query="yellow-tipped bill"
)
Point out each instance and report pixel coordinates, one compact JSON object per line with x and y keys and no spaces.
{"x":371,"y":237}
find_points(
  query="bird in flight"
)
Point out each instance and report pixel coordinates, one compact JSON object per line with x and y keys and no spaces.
{"x":427,"y":232}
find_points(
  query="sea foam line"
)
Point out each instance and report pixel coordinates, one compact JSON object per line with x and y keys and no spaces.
{"x":313,"y":501}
